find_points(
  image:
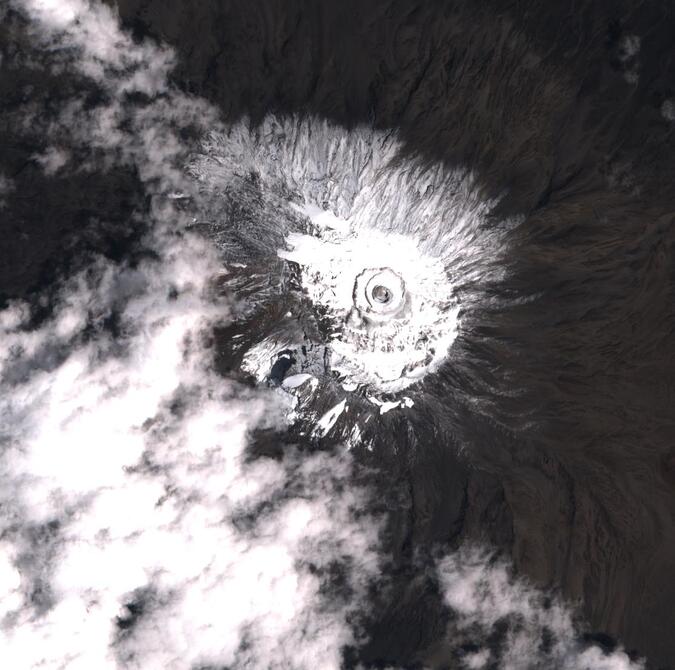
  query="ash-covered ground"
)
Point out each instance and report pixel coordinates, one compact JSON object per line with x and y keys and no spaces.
{"x":337,"y":334}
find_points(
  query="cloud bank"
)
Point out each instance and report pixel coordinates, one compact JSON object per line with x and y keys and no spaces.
{"x":127,"y":492}
{"x":136,"y":531}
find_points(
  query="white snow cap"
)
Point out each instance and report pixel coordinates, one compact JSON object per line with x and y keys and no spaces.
{"x":391,"y":303}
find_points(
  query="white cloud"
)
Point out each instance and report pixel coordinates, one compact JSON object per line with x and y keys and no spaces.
{"x":92,"y":29}
{"x":629,"y":51}
{"x":146,"y":135}
{"x":136,"y":449}
{"x":482,"y":591}
{"x":52,"y":160}
{"x":629,"y":47}
{"x":126,"y":482}
{"x":668,"y":110}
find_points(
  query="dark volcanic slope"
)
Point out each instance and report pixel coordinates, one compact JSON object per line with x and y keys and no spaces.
{"x":569,"y":108}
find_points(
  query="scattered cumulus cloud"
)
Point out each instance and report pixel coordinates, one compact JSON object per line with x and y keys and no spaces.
{"x":52,"y":160}
{"x":127,"y":492}
{"x":538,"y":629}
{"x":114,"y":129}
{"x":668,"y":110}
{"x":629,"y":54}
{"x":92,"y":29}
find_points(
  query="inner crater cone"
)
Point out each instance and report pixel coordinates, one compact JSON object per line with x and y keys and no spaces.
{"x":381,"y":294}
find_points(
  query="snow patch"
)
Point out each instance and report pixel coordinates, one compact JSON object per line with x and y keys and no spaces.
{"x":328,"y":420}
